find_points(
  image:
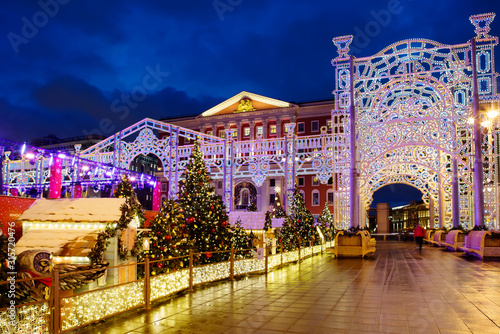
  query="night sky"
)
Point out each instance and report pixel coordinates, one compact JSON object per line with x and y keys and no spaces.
{"x":69,"y":68}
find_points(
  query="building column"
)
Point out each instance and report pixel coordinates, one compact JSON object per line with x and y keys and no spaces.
{"x":265,"y":124}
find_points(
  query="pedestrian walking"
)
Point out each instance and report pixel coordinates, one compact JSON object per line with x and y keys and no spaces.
{"x":419,"y":234}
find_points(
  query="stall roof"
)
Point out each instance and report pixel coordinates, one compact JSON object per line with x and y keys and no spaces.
{"x":74,"y":210}
{"x":60,"y":242}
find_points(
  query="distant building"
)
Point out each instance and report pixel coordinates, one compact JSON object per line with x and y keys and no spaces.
{"x":408,"y":216}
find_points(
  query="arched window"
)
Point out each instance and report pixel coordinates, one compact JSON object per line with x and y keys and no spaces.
{"x":245,"y":196}
{"x":329,"y":196}
{"x":315,"y":197}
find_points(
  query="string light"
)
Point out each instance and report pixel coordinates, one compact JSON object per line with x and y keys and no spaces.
{"x":95,"y":305}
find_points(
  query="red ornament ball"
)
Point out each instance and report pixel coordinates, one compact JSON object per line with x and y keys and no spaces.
{"x":168,"y":237}
{"x":224,"y":223}
{"x":208,"y":255}
{"x":190,"y":220}
{"x":213,"y":230}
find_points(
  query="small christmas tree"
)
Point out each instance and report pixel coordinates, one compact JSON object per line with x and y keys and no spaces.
{"x":302,"y":218}
{"x":205,"y":214}
{"x":278,"y":211}
{"x":326,"y":223}
{"x":268,"y":223}
{"x":240,"y":240}
{"x":169,"y":239}
{"x":287,"y":235}
{"x":131,"y":209}
{"x":252,"y":207}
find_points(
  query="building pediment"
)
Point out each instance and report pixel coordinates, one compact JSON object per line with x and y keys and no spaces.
{"x":245,"y":102}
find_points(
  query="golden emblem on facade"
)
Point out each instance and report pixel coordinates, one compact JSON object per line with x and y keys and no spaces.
{"x":245,"y":105}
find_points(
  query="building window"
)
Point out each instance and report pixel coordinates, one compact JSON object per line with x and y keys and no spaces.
{"x":285,"y":128}
{"x":272,"y":129}
{"x":272,"y":199}
{"x":315,"y":181}
{"x":245,"y":197}
{"x":222,"y":133}
{"x":272,"y":183}
{"x":219,"y":184}
{"x":301,"y":181}
{"x":329,"y":197}
{"x":329,"y":124}
{"x":210,"y":133}
{"x":301,"y":127}
{"x":315,"y":126}
{"x":246,"y":132}
{"x":163,"y":187}
{"x":260,"y":130}
{"x":235,"y":132}
{"x":315,"y":197}
{"x":303,"y":194}
{"x":330,"y":181}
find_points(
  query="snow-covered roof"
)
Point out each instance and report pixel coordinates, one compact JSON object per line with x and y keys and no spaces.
{"x":60,"y":242}
{"x":74,"y":210}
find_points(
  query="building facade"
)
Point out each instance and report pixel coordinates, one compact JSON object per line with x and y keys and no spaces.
{"x":253,"y":116}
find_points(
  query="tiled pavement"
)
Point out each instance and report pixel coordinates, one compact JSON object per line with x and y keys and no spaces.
{"x":396,"y":290}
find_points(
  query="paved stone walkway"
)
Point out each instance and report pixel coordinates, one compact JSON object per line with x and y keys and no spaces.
{"x":396,"y":290}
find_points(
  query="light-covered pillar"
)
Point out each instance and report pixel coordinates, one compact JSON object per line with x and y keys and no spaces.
{"x":289,"y":165}
{"x":478,"y":158}
{"x":173,"y":170}
{"x":353,"y":181}
{"x":455,"y":195}
{"x":228,"y":170}
{"x":157,"y":196}
{"x":55,"y":178}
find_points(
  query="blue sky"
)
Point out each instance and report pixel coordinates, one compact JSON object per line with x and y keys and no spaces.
{"x":70,"y":68}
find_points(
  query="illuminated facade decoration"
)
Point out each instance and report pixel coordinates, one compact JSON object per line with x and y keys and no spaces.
{"x":399,"y":116}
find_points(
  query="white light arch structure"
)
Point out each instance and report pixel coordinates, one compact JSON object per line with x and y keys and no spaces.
{"x":408,"y":103}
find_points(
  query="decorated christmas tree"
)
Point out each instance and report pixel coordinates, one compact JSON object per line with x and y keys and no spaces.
{"x":287,"y":235}
{"x":205,"y":214}
{"x":302,"y":219}
{"x":325,"y":222}
{"x":278,"y":211}
{"x":268,"y":223}
{"x":252,"y":207}
{"x":169,"y":239}
{"x":241,"y":241}
{"x":130,"y":210}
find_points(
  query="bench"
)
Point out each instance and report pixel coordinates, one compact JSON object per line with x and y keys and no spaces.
{"x":481,"y":244}
{"x":358,"y":244}
{"x":437,"y":238}
{"x":428,"y":235}
{"x":454,"y":240}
